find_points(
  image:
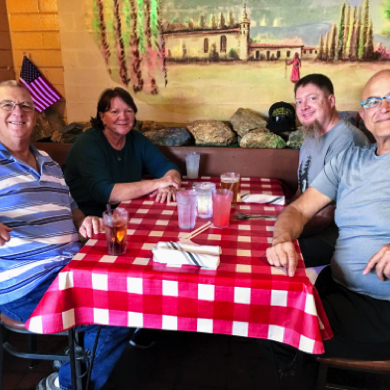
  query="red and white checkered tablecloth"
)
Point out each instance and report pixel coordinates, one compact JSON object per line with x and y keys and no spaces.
{"x":243,"y":297}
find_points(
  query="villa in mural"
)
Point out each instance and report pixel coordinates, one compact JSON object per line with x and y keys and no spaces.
{"x":227,"y":43}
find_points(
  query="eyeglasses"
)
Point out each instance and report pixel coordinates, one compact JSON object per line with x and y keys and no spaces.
{"x":374,"y":102}
{"x":9,"y":105}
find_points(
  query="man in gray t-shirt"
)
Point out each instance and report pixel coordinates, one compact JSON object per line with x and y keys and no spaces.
{"x":355,"y":290}
{"x":326,"y":135}
{"x":358,"y":181}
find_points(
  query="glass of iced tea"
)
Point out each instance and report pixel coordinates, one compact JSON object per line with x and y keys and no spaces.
{"x":115,"y":226}
{"x":231,"y":181}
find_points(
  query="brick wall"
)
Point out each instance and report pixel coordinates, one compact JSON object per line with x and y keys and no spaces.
{"x":34,"y":29}
{"x":7,"y":71}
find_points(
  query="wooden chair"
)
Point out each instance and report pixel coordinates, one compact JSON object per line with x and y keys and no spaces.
{"x":371,"y":366}
{"x":76,"y":355}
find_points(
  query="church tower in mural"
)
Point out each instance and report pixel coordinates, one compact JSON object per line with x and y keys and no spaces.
{"x":245,"y":25}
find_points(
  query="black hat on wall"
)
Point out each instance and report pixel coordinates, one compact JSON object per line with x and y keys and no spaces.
{"x":281,"y":118}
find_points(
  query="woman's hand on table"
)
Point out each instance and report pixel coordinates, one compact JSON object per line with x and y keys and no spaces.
{"x":90,"y":226}
{"x":4,"y":234}
{"x":283,"y":254}
{"x":164,"y":194}
{"x":381,"y":262}
{"x":168,"y":185}
{"x":170,"y":179}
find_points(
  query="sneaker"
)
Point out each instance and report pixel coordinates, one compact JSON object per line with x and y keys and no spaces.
{"x":48,"y":382}
{"x":141,"y":339}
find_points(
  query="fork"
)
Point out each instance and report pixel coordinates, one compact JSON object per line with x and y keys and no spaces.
{"x":241,"y":216}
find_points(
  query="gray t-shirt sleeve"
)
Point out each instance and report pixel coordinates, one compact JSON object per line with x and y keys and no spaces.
{"x":344,"y":136}
{"x":327,"y":181}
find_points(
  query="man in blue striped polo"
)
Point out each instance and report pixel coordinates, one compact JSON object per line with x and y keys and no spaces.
{"x":39,"y":226}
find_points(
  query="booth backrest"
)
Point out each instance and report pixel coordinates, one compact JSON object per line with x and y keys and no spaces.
{"x":272,"y":163}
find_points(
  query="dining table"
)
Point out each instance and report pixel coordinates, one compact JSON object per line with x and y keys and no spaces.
{"x":244,"y":296}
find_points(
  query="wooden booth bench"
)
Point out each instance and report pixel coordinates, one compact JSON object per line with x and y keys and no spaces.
{"x":281,"y":164}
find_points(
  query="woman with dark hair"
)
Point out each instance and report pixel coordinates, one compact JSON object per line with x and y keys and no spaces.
{"x":107,"y":162}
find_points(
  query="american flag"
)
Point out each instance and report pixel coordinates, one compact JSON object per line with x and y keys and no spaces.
{"x":43,"y":94}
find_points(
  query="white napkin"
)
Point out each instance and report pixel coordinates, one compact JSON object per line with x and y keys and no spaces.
{"x":174,"y":253}
{"x":263,"y":198}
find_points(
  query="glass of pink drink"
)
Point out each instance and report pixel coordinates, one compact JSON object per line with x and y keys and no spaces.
{"x":222,"y":203}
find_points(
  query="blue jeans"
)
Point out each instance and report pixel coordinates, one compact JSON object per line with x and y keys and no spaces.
{"x":112,"y":340}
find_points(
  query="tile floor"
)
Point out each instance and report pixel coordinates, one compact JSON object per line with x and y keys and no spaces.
{"x":179,"y":361}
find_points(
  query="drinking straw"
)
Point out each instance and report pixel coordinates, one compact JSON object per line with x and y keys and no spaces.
{"x":109,"y":213}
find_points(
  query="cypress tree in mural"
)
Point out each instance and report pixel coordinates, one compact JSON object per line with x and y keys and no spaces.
{"x":127,"y":23}
{"x":326,"y":47}
{"x":161,"y":42}
{"x":148,"y":35}
{"x":361,"y":35}
{"x":340,"y":37}
{"x":134,"y":51}
{"x":366,"y":28}
{"x":332,"y":43}
{"x":120,"y":47}
{"x":104,"y":46}
{"x":321,"y":49}
{"x":140,"y":27}
{"x":349,"y":48}
{"x":201,"y":21}
{"x":355,"y":54}
{"x":344,"y":54}
{"x":213,"y":22}
{"x":222,"y":21}
{"x":154,"y":26}
{"x":231,"y":21}
{"x":369,"y":48}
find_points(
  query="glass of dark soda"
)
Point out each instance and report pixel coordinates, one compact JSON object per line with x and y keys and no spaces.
{"x":115,"y":226}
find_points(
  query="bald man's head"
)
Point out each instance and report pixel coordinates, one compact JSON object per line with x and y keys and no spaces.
{"x":373,"y":81}
{"x":377,"y":116}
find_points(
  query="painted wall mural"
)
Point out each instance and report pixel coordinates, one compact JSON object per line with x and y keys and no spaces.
{"x":129,"y":36}
{"x":195,"y":56}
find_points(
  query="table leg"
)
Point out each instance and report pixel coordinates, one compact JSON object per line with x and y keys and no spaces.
{"x":276,"y":371}
{"x":75,"y":361}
